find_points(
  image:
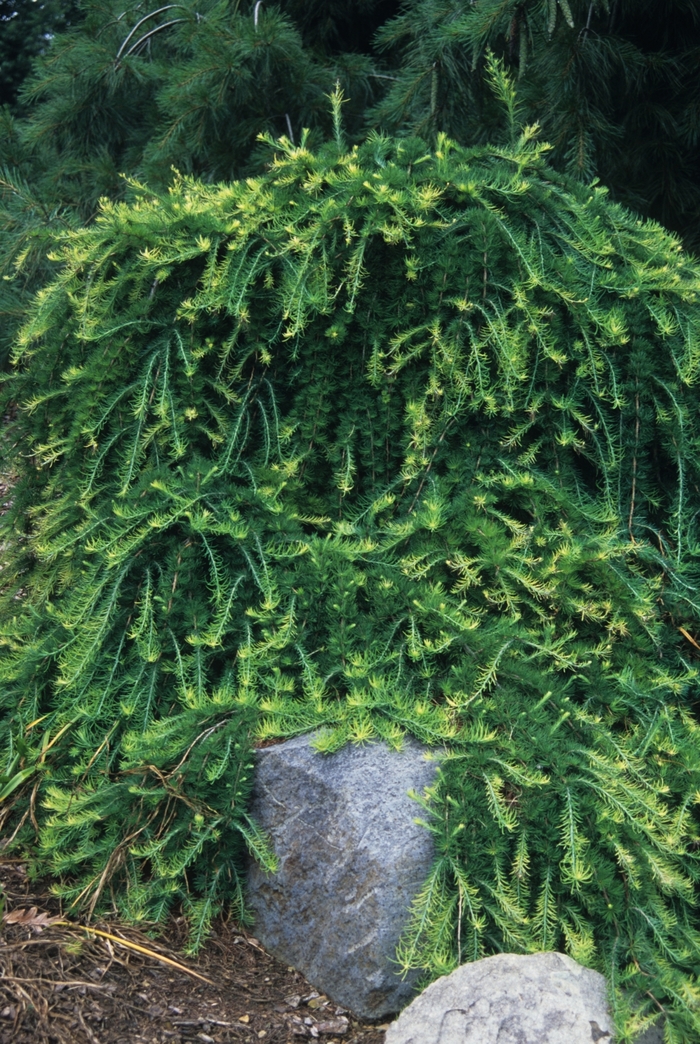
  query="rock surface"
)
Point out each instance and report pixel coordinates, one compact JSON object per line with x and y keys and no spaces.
{"x":541,"y":998}
{"x":351,"y":859}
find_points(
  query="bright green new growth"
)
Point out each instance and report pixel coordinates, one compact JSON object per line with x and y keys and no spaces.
{"x":381,"y":441}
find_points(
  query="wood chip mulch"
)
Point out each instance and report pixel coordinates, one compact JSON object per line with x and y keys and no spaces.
{"x":60,"y":984}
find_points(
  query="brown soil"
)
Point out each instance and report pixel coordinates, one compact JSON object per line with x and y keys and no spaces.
{"x":61,"y":984}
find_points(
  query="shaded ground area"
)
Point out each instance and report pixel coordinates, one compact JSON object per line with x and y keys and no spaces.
{"x":60,"y":984}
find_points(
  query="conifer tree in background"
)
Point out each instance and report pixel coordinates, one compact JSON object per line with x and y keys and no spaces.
{"x":26,"y":30}
{"x":138,"y":89}
{"x":384,"y":440}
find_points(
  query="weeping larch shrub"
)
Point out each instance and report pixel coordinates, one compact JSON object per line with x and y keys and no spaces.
{"x":387,"y":440}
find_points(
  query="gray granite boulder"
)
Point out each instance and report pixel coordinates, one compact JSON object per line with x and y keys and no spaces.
{"x":541,"y":998}
{"x":351,"y":859}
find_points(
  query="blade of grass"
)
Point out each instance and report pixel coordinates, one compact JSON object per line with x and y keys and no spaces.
{"x":139,"y":949}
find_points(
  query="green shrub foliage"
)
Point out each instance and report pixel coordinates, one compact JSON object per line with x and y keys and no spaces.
{"x":385,"y":440}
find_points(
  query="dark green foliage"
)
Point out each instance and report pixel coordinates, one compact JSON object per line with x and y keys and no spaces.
{"x":614,"y":85}
{"x":139,"y":89}
{"x":26,"y":30}
{"x":382,"y":440}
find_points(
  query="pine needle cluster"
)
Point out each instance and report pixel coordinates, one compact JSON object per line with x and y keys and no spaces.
{"x":384,"y":440}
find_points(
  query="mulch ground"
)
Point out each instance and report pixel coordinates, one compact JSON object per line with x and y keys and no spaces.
{"x":60,"y":984}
